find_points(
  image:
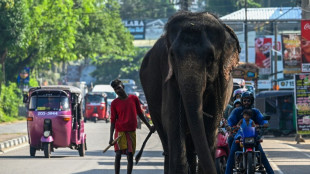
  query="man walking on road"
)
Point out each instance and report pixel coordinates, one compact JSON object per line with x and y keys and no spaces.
{"x":124,"y":111}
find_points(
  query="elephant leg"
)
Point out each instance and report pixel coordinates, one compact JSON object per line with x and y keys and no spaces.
{"x":174,"y":124}
{"x":211,"y":131}
{"x":156,"y":119}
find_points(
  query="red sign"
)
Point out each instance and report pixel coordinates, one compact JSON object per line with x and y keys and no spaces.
{"x":305,"y":45}
{"x":263,"y":54}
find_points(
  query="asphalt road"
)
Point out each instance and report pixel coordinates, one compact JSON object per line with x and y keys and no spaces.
{"x":65,"y":160}
{"x":285,"y":156}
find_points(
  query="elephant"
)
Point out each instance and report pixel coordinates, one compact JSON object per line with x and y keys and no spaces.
{"x":186,"y":77}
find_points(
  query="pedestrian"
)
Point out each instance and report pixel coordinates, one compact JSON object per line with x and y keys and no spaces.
{"x":124,"y":111}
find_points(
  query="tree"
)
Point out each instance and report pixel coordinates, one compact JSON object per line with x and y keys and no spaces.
{"x":118,"y":68}
{"x":61,"y":31}
{"x":13,"y":21}
{"x":146,"y":9}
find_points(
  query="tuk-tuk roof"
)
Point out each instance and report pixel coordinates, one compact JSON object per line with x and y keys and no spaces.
{"x":265,"y":94}
{"x":71,"y":89}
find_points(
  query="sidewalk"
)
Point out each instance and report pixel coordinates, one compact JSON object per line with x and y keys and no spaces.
{"x":12,"y":135}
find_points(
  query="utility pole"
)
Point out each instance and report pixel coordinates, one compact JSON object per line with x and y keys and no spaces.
{"x":276,"y":55}
{"x":246,"y":31}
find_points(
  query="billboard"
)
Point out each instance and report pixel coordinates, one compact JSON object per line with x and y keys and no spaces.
{"x":263,"y":48}
{"x":305,"y":45}
{"x":302,"y":103}
{"x":291,"y":53}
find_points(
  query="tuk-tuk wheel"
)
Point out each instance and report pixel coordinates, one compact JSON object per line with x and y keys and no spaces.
{"x":47,"y":150}
{"x":95,"y":119}
{"x":82,"y":149}
{"x":32,"y":151}
{"x":85,"y":120}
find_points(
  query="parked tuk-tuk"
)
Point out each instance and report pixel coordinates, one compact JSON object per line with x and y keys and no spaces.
{"x":96,"y":107}
{"x":274,"y":103}
{"x":55,"y":119}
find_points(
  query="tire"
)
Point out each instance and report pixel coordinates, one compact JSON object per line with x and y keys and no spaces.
{"x":250,"y":167}
{"x":32,"y":151}
{"x":95,"y":119}
{"x":47,"y":150}
{"x":220,"y":164}
{"x":82,"y":149}
{"x":85,"y":120}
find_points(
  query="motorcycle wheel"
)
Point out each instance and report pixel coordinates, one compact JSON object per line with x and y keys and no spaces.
{"x":250,"y":168}
{"x":82,"y":149}
{"x":220,"y":164}
{"x":32,"y":151}
{"x":47,"y":150}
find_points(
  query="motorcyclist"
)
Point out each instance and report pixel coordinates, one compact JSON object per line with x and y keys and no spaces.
{"x":247,"y":101}
{"x":237,"y":103}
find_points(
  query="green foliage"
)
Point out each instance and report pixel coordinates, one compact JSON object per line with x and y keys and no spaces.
{"x":146,"y":9}
{"x":10,"y":99}
{"x":62,"y":31}
{"x":118,"y":68}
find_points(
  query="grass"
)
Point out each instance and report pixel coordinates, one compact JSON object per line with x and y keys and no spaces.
{"x":5,"y":119}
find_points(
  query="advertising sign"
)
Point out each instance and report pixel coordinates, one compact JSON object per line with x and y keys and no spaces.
{"x":302,"y":102}
{"x":291,"y":53}
{"x":23,"y":76}
{"x":263,"y":48}
{"x":305,"y":45}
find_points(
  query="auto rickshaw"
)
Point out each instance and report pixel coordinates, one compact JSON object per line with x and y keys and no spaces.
{"x":55,"y":119}
{"x":272,"y":103}
{"x":96,"y":107}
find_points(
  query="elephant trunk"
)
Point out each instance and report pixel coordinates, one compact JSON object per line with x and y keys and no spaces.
{"x":192,"y":89}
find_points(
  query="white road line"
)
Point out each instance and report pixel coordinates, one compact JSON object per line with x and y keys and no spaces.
{"x":292,"y":147}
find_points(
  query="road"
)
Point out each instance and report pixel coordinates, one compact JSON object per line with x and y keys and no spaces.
{"x":285,"y":156}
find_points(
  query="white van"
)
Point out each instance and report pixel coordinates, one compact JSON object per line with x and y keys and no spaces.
{"x":105,"y":89}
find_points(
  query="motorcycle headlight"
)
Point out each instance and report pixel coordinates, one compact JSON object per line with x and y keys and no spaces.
{"x":249,"y":140}
{"x":46,"y":133}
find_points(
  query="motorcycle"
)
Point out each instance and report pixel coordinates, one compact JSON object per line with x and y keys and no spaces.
{"x":222,"y":150}
{"x":249,"y":159}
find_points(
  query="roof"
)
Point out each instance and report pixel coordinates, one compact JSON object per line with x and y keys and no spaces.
{"x":72,"y":89}
{"x":103,"y":88}
{"x":265,"y":14}
{"x":265,"y":94}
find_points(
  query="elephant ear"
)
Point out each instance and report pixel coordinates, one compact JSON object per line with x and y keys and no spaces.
{"x":233,"y":49}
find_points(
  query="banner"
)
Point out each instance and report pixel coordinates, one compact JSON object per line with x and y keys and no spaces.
{"x":291,"y":53}
{"x":263,"y":55}
{"x":302,"y":101}
{"x":305,"y":45}
{"x":23,"y":76}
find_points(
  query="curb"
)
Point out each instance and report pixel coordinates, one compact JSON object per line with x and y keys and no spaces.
{"x":12,"y":143}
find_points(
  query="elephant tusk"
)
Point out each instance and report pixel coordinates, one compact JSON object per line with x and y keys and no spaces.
{"x":208,"y":115}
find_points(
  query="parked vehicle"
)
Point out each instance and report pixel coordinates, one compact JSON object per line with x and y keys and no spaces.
{"x":55,"y":119}
{"x":248,"y":159}
{"x":222,"y":148}
{"x":271,"y":103}
{"x":96,"y":107}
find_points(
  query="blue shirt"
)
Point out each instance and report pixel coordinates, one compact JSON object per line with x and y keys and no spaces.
{"x":236,"y":115}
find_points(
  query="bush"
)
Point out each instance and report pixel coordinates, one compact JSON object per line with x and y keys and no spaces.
{"x":10,"y":99}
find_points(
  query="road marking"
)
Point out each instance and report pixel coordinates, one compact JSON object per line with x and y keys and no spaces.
{"x":275,"y":167}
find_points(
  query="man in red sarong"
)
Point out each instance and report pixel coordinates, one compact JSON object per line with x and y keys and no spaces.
{"x":124,"y":111}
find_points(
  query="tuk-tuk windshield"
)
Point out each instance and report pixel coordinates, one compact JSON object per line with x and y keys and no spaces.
{"x":95,"y":99}
{"x":49,"y":103}
{"x":111,"y":95}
